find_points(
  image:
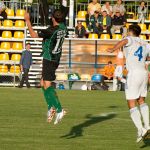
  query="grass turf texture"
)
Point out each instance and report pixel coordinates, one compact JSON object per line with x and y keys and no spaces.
{"x":95,"y":121}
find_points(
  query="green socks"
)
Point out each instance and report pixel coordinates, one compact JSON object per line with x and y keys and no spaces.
{"x":46,"y":96}
{"x":52,"y":99}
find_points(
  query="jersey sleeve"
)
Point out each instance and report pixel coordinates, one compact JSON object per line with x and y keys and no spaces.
{"x":46,"y":33}
{"x":148,"y":49}
{"x":129,"y":41}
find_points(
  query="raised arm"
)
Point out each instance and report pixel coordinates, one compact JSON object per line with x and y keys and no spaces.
{"x":118,"y":46}
{"x":33,"y":34}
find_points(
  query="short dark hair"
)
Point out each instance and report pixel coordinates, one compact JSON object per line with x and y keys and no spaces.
{"x":28,"y":43}
{"x":135,"y":29}
{"x":58,"y":15}
{"x":109,"y":62}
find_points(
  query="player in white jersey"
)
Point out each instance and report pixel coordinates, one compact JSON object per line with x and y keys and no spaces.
{"x":136,"y":52}
{"x":118,"y":74}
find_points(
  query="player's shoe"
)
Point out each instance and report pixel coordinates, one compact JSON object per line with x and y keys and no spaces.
{"x":147,"y":135}
{"x":50,"y":114}
{"x":141,"y":134}
{"x":59,"y":116}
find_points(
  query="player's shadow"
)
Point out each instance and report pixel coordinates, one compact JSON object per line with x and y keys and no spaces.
{"x":77,"y":130}
{"x":146,"y":143}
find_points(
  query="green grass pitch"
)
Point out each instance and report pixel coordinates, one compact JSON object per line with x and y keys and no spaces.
{"x":96,"y":120}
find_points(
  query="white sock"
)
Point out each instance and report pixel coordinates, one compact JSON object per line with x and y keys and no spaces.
{"x":64,"y":3}
{"x":115,"y":86}
{"x":136,"y":118}
{"x":145,"y":115}
{"x":123,"y":80}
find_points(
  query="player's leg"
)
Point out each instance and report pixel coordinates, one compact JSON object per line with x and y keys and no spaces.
{"x":52,"y":96}
{"x":144,"y":109}
{"x":55,"y":101}
{"x":51,"y":110}
{"x":136,"y":118}
{"x":133,"y":90}
{"x":50,"y":76}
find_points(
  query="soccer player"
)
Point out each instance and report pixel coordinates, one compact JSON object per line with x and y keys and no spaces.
{"x":136,"y":51}
{"x":53,"y":38}
{"x":118,"y":74}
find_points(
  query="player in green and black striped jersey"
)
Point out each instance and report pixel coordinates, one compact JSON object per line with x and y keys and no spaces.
{"x":53,"y":38}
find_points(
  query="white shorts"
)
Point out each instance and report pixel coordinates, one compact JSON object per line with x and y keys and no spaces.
{"x":136,"y":85}
{"x":118,"y":71}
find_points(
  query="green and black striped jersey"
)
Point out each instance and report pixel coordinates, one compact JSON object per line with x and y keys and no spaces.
{"x":53,"y":39}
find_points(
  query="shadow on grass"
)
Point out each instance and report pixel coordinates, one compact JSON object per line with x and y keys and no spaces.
{"x":146,"y":143}
{"x":77,"y":130}
{"x":113,"y":107}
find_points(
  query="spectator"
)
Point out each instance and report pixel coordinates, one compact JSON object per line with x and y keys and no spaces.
{"x":119,"y":23}
{"x":80,"y":30}
{"x":105,"y":23}
{"x":2,"y":10}
{"x":142,"y":10}
{"x":92,"y":7}
{"x":14,"y":4}
{"x":25,"y":63}
{"x":28,"y":5}
{"x":106,"y":7}
{"x":119,"y":7}
{"x":109,"y":71}
{"x":94,"y":23}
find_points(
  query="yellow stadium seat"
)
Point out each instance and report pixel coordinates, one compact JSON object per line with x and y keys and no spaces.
{"x":16,"y":57}
{"x":17,"y":46}
{"x":5,"y":45}
{"x":6,"y":34}
{"x":20,"y":23}
{"x":105,"y":36}
{"x":128,"y":24}
{"x":143,"y":27}
{"x":4,"y":56}
{"x":82,"y":14}
{"x":85,"y":77}
{"x":8,"y":23}
{"x":93,"y":36}
{"x":117,"y":36}
{"x":18,"y":34}
{"x":149,"y":27}
{"x":10,"y":12}
{"x":15,"y":69}
{"x":143,"y":37}
{"x":130,"y":15}
{"x":3,"y":69}
{"x":20,"y":13}
{"x":84,"y":24}
{"x":61,"y":76}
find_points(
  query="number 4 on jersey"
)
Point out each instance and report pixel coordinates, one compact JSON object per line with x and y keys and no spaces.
{"x":139,"y":52}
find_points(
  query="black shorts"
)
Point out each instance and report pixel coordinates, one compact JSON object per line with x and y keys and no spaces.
{"x":48,"y":70}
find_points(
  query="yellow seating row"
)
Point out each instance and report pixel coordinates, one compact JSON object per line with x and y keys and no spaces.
{"x":14,"y":57}
{"x":19,"y":12}
{"x":107,"y":36}
{"x":13,"y":69}
{"x":82,"y":15}
{"x":17,"y":34}
{"x":18,"y":23}
{"x":15,"y":46}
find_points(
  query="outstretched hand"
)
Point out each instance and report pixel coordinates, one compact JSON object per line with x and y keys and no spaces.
{"x":26,"y":16}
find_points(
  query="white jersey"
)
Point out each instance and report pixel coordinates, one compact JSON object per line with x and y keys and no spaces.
{"x":136,"y":52}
